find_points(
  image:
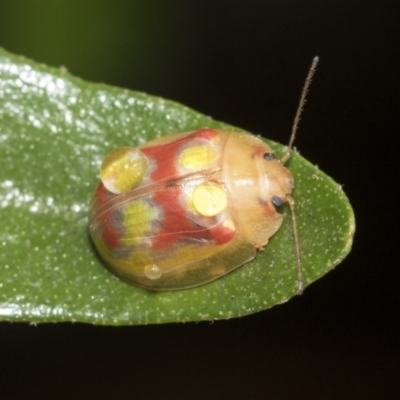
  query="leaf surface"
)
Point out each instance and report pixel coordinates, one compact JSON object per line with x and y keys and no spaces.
{"x":55,"y":130}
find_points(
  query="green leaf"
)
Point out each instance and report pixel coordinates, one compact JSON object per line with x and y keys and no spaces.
{"x":54,"y":132}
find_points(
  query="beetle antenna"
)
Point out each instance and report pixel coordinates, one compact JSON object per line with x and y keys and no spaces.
{"x":310,"y":75}
{"x":303,"y":96}
{"x":300,"y":284}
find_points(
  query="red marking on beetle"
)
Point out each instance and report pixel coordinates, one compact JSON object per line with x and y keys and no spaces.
{"x":178,"y":225}
{"x":205,"y":134}
{"x":164,"y":155}
{"x":222,"y":234}
{"x":175,"y":223}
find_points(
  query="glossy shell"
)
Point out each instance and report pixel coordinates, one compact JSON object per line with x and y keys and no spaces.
{"x":187,"y":209}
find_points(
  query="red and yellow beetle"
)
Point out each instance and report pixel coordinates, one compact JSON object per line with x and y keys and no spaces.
{"x":187,"y":209}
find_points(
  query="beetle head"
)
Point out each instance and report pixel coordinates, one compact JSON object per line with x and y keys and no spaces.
{"x":258,"y":184}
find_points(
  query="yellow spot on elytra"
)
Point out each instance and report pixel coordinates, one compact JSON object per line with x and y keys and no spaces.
{"x":138,"y":216}
{"x":198,"y":157}
{"x":123,"y":169}
{"x":209,"y":199}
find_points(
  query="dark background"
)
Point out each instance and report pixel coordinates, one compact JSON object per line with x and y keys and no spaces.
{"x":243,"y":63}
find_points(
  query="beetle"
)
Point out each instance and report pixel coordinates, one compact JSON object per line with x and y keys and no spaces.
{"x":186,"y":209}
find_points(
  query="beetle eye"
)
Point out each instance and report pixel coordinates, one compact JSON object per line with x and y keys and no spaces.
{"x":276,"y":201}
{"x":268,"y":156}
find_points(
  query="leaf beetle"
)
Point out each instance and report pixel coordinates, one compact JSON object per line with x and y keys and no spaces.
{"x":186,"y":209}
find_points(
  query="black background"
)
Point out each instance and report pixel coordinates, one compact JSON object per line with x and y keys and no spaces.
{"x":243,"y":63}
